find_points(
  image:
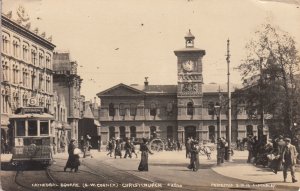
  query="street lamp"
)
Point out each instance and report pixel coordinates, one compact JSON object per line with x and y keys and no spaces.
{"x":217,"y":108}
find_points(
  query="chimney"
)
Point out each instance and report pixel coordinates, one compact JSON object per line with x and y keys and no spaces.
{"x":94,"y":100}
{"x":146,"y":81}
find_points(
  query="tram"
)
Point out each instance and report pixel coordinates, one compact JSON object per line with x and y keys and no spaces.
{"x":32,"y":136}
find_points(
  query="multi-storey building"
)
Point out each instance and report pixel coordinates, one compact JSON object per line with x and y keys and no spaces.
{"x":66,"y":81}
{"x":26,"y":59}
{"x":172,"y":111}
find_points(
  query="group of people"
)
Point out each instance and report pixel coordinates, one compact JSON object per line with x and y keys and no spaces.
{"x":277,"y":154}
{"x":173,"y":145}
{"x":115,"y":147}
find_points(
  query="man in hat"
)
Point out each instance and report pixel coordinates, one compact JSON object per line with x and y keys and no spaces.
{"x":289,"y":159}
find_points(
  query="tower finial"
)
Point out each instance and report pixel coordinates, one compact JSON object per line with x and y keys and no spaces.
{"x":189,"y":40}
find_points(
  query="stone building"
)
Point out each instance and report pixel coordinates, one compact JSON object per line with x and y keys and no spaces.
{"x":26,"y":72}
{"x":172,"y":111}
{"x":61,"y":128}
{"x":66,"y":81}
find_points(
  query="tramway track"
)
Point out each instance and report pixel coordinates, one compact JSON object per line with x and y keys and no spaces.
{"x":20,"y":175}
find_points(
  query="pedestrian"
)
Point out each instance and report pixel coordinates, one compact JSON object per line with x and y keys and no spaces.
{"x":118,"y":151}
{"x":222,"y":149}
{"x":289,"y":156}
{"x":250,"y":148}
{"x":143,"y":166}
{"x":278,"y":145}
{"x":178,"y":146}
{"x":127,"y":148}
{"x":82,"y":144}
{"x":111,"y":147}
{"x":88,"y":146}
{"x":73,"y":161}
{"x":194,"y":161}
{"x":187,"y":148}
{"x":226,"y":148}
{"x":133,"y":148}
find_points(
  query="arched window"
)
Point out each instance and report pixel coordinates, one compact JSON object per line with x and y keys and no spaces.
{"x":111,"y":132}
{"x":153,"y":109}
{"x":211,"y":108}
{"x":190,"y":108}
{"x":122,"y":109}
{"x":153,"y":132}
{"x":133,"y":109}
{"x":170,"y":132}
{"x":122,"y":132}
{"x":111,"y":109}
{"x":132,"y":131}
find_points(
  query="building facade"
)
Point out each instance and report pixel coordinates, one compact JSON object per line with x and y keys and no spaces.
{"x":172,"y":111}
{"x":67,"y":82}
{"x":26,"y":72}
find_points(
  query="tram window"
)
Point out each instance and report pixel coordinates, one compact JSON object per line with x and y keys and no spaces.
{"x":44,"y":128}
{"x":20,"y":128}
{"x":32,"y":128}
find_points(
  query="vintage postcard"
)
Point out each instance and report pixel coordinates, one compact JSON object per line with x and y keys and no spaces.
{"x":150,"y":95}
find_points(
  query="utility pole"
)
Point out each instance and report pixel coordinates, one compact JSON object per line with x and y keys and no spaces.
{"x":229,"y":102}
{"x":262,"y":117}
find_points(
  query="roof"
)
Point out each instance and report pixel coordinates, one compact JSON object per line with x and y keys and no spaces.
{"x":88,"y":113}
{"x":214,"y":87}
{"x":168,"y":89}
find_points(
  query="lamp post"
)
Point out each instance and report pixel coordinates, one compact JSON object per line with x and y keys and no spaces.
{"x":217,"y":108}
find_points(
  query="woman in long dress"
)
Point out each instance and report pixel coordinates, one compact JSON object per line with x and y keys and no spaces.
{"x":144,"y":155}
{"x":73,"y":160}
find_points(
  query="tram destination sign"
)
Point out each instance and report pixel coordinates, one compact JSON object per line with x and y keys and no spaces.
{"x":36,"y":110}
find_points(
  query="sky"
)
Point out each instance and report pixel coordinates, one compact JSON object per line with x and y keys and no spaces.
{"x":123,"y":41}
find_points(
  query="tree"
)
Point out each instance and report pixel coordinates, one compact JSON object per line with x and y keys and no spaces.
{"x":271,"y":62}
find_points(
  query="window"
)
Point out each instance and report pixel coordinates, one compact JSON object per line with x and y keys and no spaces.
{"x":153,"y":109}
{"x":25,"y":100}
{"x":20,"y":128}
{"x":211,"y":108}
{"x":132,"y":131}
{"x":170,"y":107}
{"x":16,"y":47}
{"x":44,"y":128}
{"x":122,"y":132}
{"x":190,"y":108}
{"x":5,"y":43}
{"x":133,"y":110}
{"x":153,"y":132}
{"x":48,"y":61}
{"x":41,"y":59}
{"x":111,"y":132}
{"x":111,"y":109}
{"x":32,"y":128}
{"x":25,"y":52}
{"x":33,"y":56}
{"x":170,"y":132}
{"x":122,"y":109}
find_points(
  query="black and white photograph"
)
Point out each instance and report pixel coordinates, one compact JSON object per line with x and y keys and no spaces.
{"x":150,"y":95}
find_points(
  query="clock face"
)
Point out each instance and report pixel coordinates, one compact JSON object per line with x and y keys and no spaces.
{"x":188,"y":65}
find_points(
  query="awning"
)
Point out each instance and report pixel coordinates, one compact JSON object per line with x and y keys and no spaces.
{"x":96,"y":122}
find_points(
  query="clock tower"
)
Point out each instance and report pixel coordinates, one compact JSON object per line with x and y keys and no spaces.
{"x":189,"y":88}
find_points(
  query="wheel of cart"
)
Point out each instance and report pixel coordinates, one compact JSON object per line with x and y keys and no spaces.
{"x":157,"y":145}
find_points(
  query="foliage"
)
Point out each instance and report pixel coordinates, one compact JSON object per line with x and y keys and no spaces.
{"x":268,"y":72}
